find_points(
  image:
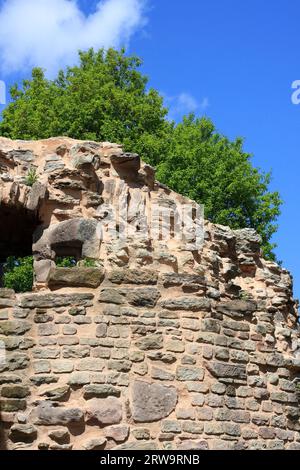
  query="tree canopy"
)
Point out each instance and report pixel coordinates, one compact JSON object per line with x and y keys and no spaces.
{"x":106,"y":98}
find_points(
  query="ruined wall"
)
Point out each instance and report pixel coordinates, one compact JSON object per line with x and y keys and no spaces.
{"x":159,"y":345}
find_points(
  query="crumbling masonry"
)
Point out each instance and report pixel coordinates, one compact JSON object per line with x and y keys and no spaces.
{"x":155,"y":345}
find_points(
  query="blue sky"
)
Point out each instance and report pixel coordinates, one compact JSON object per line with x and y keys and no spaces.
{"x":234,"y":61}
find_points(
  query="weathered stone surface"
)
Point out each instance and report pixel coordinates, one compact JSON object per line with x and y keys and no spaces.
{"x":36,"y":195}
{"x":143,"y":297}
{"x":14,"y":327}
{"x":59,"y":435}
{"x":152,"y":402}
{"x":95,"y":444}
{"x":166,"y":358}
{"x":126,"y":165}
{"x":6,"y":303}
{"x":100,"y":391}
{"x":141,"y":445}
{"x":82,"y":320}
{"x":154,"y":321}
{"x":61,"y":447}
{"x":169,"y":426}
{"x":15,"y":391}
{"x":237,"y":308}
{"x":222,"y":370}
{"x":193,"y":445}
{"x":79,"y":378}
{"x":41,"y":367}
{"x":142,"y":277}
{"x":17,"y":361}
{"x":23,"y":433}
{"x":57,"y":393}
{"x":141,"y":434}
{"x":104,"y":411}
{"x":174,"y":279}
{"x":211,"y":325}
{"x":193,"y":304}
{"x":112,"y":296}
{"x":184,"y":374}
{"x":162,"y":374}
{"x":76,"y":277}
{"x":47,"y":413}
{"x":54,"y":300}
{"x":7,"y":293}
{"x":74,"y":311}
{"x":175,"y":346}
{"x":90,"y":364}
{"x":69,"y":330}
{"x":120,"y":366}
{"x":12,"y":405}
{"x":101,"y":330}
{"x":117,"y":433}
{"x":43,"y":379}
{"x":48,"y":329}
{"x":76,"y":232}
{"x":75,"y":352}
{"x":150,"y":342}
{"x":9,"y":379}
{"x":43,"y":318}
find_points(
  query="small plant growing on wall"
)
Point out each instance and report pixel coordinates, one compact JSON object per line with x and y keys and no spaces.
{"x":18,"y":274}
{"x":89,"y":263}
{"x":31,"y":177}
{"x":67,"y":262}
{"x":70,"y":262}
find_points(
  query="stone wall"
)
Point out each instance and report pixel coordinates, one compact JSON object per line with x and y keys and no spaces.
{"x":147,"y":361}
{"x":159,"y":344}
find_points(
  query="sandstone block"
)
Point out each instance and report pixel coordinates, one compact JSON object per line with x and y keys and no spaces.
{"x":79,"y":378}
{"x":162,"y":374}
{"x":15,"y":391}
{"x":142,"y":277}
{"x":193,"y":304}
{"x":23,"y":433}
{"x":95,"y":444}
{"x":47,"y":414}
{"x":76,"y":277}
{"x":104,"y":411}
{"x":54,"y":300}
{"x":100,"y":391}
{"x":14,"y":327}
{"x":143,"y":297}
{"x":222,"y":370}
{"x":90,"y":364}
{"x":58,"y":393}
{"x":117,"y":433}
{"x":152,"y":402}
{"x":59,"y":435}
{"x":185,"y":374}
{"x":48,"y":329}
{"x":12,"y":405}
{"x":237,"y":308}
{"x":150,"y":342}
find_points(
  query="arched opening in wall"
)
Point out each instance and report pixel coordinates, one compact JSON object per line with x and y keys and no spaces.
{"x":71,"y":250}
{"x":17,"y":226}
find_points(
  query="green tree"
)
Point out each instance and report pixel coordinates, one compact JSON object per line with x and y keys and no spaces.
{"x":105,"y":98}
{"x":210,"y":169}
{"x":18,"y":274}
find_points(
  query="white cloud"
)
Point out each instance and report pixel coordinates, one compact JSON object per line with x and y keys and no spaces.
{"x":48,"y":33}
{"x":184,"y":103}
